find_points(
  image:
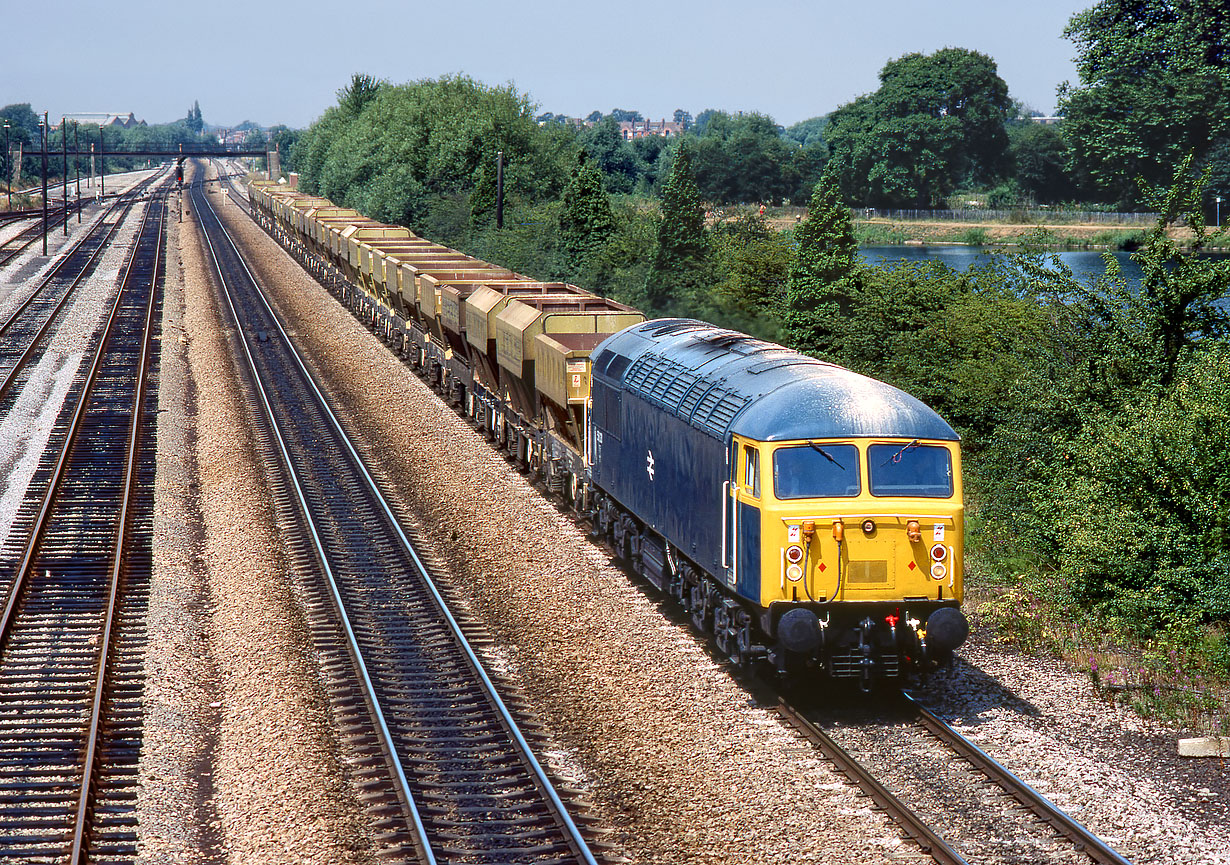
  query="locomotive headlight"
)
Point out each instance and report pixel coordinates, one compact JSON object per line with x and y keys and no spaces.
{"x":794,"y":554}
{"x":794,"y":573}
{"x":869,"y":527}
{"x":938,"y":552}
{"x":938,"y":571}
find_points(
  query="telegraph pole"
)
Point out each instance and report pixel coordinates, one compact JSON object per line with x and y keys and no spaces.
{"x":64,"y":150}
{"x":499,"y":189}
{"x":102,"y":165}
{"x":8,"y":165}
{"x":77,"y":164}
{"x":44,"y":125}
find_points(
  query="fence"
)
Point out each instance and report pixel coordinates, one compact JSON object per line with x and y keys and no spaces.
{"x":1016,"y":215}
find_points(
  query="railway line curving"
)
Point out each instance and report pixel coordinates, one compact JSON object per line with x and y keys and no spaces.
{"x":448,"y":773}
{"x":877,"y":746}
{"x":71,"y":630}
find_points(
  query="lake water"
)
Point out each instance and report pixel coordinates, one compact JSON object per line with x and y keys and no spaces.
{"x":1084,"y":264}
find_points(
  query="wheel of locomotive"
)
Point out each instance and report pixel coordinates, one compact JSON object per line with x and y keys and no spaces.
{"x":702,"y":605}
{"x":681,"y":587}
{"x":574,"y":491}
{"x":744,"y":639}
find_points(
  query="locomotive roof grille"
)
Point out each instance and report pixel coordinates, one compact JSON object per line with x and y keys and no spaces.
{"x":718,"y":409}
{"x":720,"y":382}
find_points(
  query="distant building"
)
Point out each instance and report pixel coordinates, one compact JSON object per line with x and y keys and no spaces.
{"x":641,"y":128}
{"x":1047,"y":121}
{"x":628,"y":129}
{"x":123,"y":121}
{"x":232,"y":137}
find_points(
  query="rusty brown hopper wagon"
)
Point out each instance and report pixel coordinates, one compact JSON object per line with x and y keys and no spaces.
{"x":480,"y":311}
{"x":525,"y":318}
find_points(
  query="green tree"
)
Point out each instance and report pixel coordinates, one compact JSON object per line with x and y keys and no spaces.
{"x":1154,"y":86}
{"x":585,"y":222}
{"x":195,"y":122}
{"x":615,"y":156}
{"x":936,"y":122}
{"x":807,"y":132}
{"x":361,"y":90}
{"x":1110,"y":461}
{"x":417,"y":154}
{"x":679,"y":273}
{"x":825,"y":273}
{"x":1039,"y":158}
{"x":23,"y":130}
{"x":752,"y":262}
{"x":744,"y":159}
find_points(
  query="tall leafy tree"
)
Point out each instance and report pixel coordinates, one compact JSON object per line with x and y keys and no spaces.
{"x":745,"y":158}
{"x":681,"y":257}
{"x":937,"y":121}
{"x":411,"y":147}
{"x":1154,"y":86}
{"x":585,"y":221}
{"x":361,"y":90}
{"x":195,"y":122}
{"x":824,"y":275}
{"x":1039,"y":157}
{"x":613,"y":154}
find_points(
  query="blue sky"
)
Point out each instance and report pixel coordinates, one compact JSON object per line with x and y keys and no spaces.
{"x":283,"y":63}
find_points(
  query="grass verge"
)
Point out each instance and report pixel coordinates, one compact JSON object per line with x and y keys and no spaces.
{"x":1179,"y":677}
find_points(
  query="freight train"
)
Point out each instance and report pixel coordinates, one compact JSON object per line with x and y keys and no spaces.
{"x":806,"y":516}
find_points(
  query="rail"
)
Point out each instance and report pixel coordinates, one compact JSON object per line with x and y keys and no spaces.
{"x":1045,"y":810}
{"x":413,"y":677}
{"x":58,"y":629}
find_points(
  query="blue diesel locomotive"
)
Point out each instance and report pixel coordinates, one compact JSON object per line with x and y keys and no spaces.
{"x":804,"y":513}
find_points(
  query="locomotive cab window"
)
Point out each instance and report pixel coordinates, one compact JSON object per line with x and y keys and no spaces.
{"x":751,"y":471}
{"x":816,"y":471}
{"x":922,"y":471}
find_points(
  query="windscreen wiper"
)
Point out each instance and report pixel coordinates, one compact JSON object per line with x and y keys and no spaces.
{"x":896,"y":458}
{"x":828,"y":456}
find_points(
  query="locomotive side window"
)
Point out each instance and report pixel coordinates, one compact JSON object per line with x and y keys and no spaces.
{"x":751,"y":471}
{"x":918,"y":470}
{"x":814,"y":471}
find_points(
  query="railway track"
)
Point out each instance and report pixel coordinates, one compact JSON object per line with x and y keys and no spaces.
{"x":449,"y":775}
{"x":20,"y":242}
{"x":71,"y":629}
{"x":1036,"y":822}
{"x":22,"y":332}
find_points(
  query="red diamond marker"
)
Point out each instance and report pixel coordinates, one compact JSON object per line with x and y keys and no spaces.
{"x":912,"y":566}
{"x":822,"y":566}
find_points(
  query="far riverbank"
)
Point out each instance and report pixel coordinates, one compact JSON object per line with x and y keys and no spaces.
{"x":1057,"y":234}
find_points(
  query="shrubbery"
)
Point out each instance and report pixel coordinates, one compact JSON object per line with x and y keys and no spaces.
{"x":1095,"y":417}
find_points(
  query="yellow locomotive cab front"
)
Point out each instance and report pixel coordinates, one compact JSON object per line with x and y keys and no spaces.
{"x":870,"y":528}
